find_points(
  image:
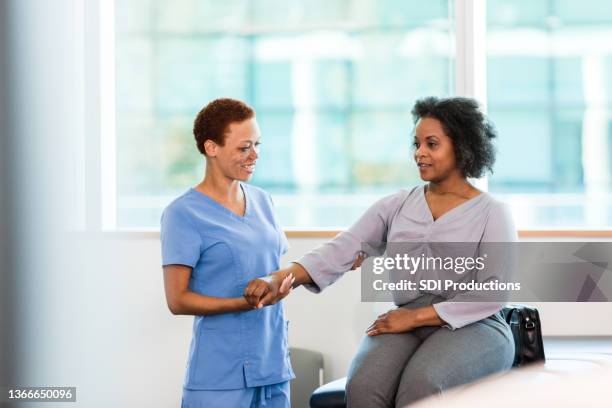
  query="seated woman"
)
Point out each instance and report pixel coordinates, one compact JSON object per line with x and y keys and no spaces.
{"x":433,"y":341}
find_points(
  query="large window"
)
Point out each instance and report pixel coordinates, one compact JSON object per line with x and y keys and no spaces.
{"x":332,"y":83}
{"x":550,"y":94}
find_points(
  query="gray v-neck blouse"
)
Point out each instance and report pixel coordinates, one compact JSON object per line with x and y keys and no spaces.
{"x":405,"y":217}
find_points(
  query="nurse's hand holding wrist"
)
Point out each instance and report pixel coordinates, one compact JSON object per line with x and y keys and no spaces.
{"x":274,"y":287}
{"x":268,"y":290}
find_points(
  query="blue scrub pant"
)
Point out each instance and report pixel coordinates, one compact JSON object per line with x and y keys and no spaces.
{"x":268,"y":396}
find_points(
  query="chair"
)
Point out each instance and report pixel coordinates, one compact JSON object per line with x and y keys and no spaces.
{"x":308,"y":368}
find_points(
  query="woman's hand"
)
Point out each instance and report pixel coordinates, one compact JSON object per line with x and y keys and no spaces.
{"x":394,"y":321}
{"x":403,"y":320}
{"x":268,"y":290}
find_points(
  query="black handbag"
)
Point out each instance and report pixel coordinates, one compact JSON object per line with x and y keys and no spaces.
{"x":526,"y":329}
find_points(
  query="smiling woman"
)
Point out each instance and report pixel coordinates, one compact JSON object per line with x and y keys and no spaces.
{"x":204,"y":234}
{"x":228,"y":135}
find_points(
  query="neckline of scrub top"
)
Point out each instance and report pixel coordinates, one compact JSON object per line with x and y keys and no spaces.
{"x":223,"y":208}
{"x":460,"y":206}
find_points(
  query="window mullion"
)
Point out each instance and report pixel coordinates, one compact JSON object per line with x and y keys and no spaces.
{"x":470,"y":56}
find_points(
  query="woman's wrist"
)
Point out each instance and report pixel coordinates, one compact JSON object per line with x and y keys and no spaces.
{"x":427,"y":316}
{"x":293,"y":269}
{"x":299,"y":273}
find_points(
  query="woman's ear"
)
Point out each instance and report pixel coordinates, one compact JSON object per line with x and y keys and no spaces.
{"x":210,"y":148}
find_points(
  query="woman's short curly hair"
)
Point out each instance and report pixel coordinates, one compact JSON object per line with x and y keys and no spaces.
{"x":469,"y":129}
{"x":213,"y":120}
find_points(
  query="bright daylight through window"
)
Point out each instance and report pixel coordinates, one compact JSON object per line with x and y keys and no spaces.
{"x":333,"y":84}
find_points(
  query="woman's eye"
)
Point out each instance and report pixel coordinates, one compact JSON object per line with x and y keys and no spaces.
{"x":432,"y":144}
{"x":415,"y":145}
{"x":244,"y":149}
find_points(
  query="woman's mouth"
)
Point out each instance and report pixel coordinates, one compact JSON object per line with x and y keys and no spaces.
{"x":249,"y":168}
{"x":423,"y":165}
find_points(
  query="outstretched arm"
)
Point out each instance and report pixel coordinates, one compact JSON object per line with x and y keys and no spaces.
{"x":277,"y":285}
{"x":330,"y":261}
{"x":327,"y":263}
{"x":272,"y":288}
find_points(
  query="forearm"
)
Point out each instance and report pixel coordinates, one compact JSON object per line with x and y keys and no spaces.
{"x":299,"y":273}
{"x":191,"y":303}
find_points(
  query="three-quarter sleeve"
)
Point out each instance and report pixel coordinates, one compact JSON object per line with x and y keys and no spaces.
{"x":328,"y":262}
{"x":469,"y":307}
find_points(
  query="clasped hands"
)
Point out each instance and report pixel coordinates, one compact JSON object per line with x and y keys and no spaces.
{"x":271,"y":289}
{"x":268,"y":290}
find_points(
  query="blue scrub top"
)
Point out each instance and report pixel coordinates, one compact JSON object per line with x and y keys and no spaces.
{"x":226,"y":251}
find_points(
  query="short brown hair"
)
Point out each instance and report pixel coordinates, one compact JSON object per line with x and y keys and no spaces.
{"x":212,"y":121}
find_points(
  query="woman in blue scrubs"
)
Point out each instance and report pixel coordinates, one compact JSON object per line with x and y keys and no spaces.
{"x":216,"y":237}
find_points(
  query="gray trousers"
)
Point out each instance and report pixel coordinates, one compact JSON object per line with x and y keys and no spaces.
{"x":394,"y":370}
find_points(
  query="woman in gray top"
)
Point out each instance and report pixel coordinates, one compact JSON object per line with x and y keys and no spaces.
{"x":438,"y":339}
